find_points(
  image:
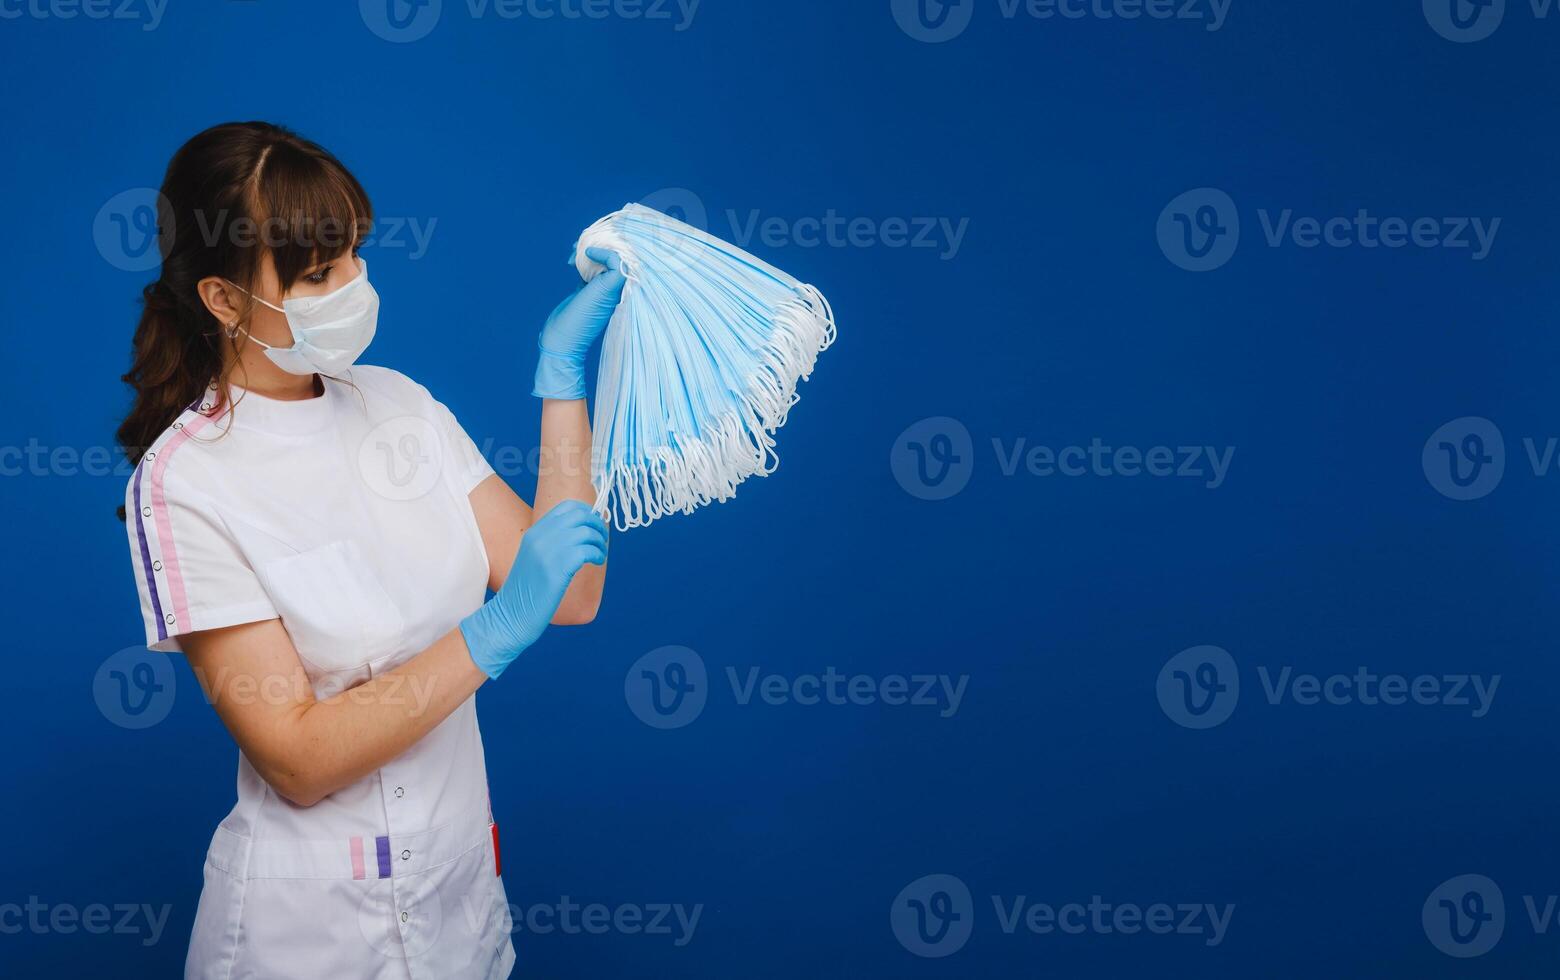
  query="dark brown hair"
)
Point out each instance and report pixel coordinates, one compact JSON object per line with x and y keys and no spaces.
{"x":229,"y":193}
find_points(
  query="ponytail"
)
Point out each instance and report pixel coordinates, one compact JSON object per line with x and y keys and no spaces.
{"x":173,"y":356}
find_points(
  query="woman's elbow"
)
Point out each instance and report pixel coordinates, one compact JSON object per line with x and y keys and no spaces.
{"x":577,"y":614}
{"x":304,"y":800}
{"x":297,"y":793}
{"x":578,"y":609}
{"x":297,"y":788}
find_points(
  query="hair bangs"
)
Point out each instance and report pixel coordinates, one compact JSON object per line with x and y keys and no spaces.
{"x":309,"y":209}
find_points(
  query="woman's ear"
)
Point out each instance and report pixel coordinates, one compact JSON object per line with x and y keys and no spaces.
{"x":221,"y":298}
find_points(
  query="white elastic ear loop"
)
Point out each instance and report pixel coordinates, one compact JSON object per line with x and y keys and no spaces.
{"x":253,"y":296}
{"x":252,"y":337}
{"x":235,"y":327}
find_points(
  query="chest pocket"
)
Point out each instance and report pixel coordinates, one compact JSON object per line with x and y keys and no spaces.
{"x":333,"y":606}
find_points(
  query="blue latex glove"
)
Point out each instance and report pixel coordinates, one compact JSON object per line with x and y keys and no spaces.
{"x":551,"y":551}
{"x":573,"y":327}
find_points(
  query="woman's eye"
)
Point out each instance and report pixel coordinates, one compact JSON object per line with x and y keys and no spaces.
{"x":318,"y":278}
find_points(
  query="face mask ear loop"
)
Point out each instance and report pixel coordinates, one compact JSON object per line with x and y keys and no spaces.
{"x":254,"y":297}
{"x":233,"y":329}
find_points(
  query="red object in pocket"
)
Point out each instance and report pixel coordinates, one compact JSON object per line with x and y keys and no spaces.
{"x":498,"y":867}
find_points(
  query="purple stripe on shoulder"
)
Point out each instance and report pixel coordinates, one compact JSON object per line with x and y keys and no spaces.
{"x":382,"y":848}
{"x":146,"y":554}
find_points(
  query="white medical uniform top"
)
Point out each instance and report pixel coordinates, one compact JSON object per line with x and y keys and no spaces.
{"x":346,"y":516}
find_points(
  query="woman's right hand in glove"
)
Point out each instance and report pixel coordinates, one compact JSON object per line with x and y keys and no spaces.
{"x":565,"y":539}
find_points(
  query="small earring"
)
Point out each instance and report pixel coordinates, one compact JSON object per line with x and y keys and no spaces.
{"x":232,"y":329}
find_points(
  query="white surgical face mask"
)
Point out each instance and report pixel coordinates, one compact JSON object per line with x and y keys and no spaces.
{"x":329,"y":332}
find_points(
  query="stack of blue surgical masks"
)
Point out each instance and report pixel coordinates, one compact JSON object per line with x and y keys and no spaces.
{"x":699,"y":365}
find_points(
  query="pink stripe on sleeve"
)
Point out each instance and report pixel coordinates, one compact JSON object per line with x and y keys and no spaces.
{"x":193,"y":423}
{"x":358,"y":871}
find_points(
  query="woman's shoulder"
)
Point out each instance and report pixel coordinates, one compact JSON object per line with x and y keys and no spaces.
{"x":176,"y":463}
{"x":388,"y":383}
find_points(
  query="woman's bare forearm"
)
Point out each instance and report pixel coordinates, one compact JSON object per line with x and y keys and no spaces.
{"x":564,"y":474}
{"x":308,"y":748}
{"x":344,"y":738}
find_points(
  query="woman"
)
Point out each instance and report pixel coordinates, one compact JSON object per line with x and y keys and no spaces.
{"x":318,"y":538}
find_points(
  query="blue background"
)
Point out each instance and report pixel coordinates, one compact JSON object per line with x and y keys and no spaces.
{"x":1059,"y":320}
